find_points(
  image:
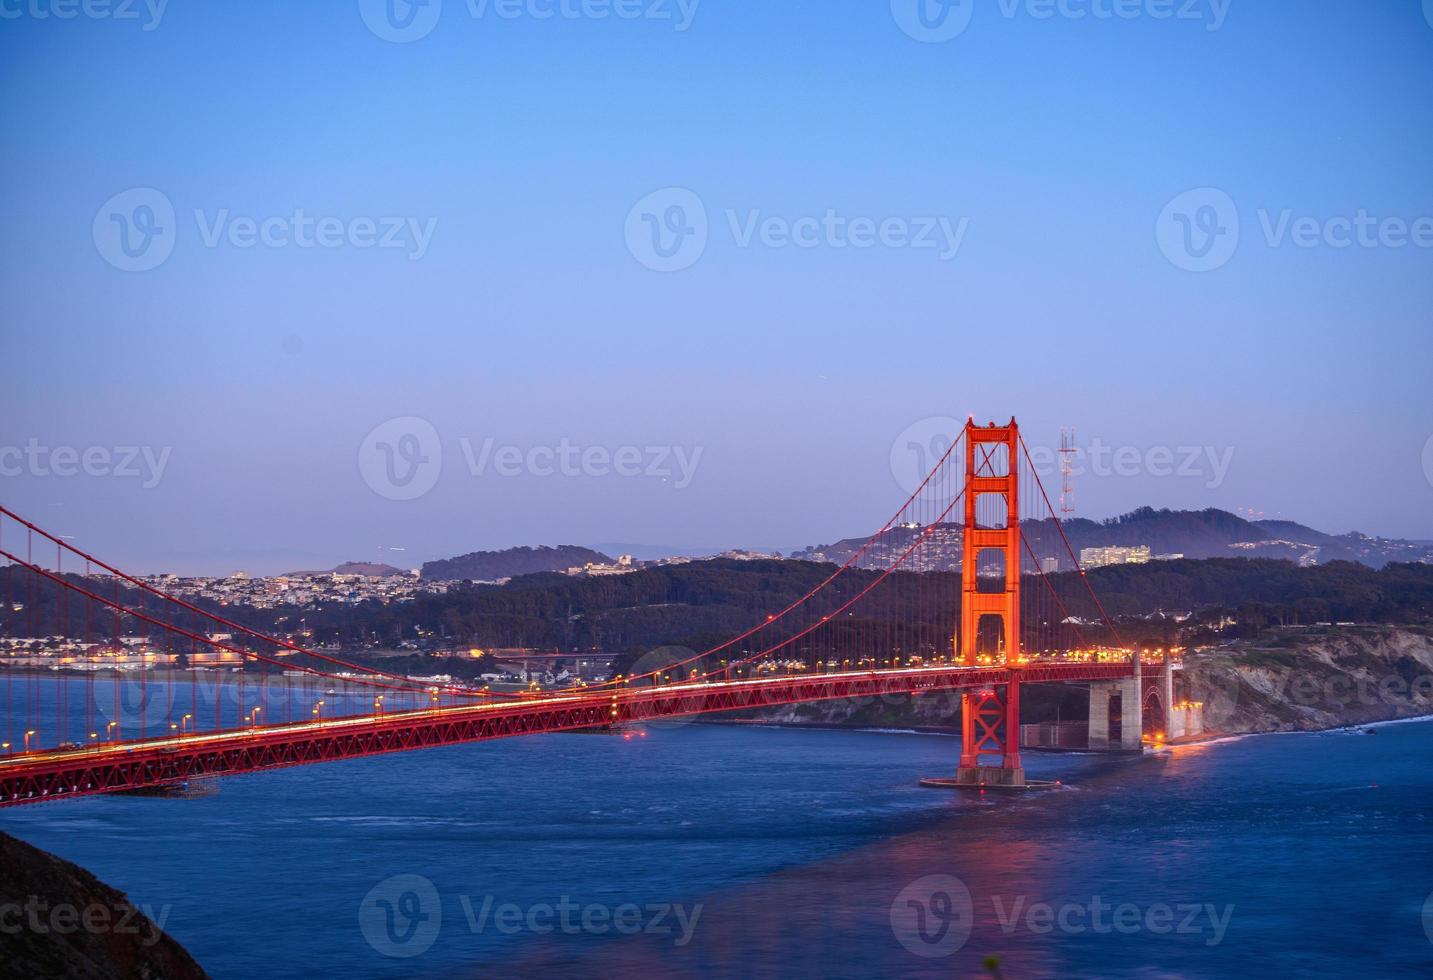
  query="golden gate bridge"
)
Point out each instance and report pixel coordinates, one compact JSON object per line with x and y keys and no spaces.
{"x":954,"y":593}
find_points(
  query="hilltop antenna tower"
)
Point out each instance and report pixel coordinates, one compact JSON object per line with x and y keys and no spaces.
{"x":1067,"y":472}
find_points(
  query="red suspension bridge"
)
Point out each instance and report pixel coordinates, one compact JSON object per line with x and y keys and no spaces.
{"x":161,"y":690}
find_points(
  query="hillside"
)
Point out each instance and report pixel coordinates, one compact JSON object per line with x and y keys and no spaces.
{"x":1291,"y":679}
{"x":369,"y":568}
{"x":713,"y":600}
{"x":716,"y":599}
{"x":1308,"y":679}
{"x":1276,"y":591}
{"x":1207,"y":533}
{"x":45,"y":936}
{"x":489,"y":566}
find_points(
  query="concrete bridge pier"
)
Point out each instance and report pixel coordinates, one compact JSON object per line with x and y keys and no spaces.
{"x":1159,"y":692}
{"x":1117,"y":714}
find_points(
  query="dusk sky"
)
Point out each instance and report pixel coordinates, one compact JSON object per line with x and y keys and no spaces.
{"x":552,"y":238}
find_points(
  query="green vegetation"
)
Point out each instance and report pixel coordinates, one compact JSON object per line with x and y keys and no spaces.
{"x":703,"y":603}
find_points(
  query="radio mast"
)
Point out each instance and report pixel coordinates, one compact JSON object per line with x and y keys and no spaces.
{"x":1067,"y":472}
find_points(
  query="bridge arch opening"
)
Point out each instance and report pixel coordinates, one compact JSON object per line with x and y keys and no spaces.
{"x":1153,"y":713}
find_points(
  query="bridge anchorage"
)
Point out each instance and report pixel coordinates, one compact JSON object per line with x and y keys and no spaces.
{"x":116,"y":685}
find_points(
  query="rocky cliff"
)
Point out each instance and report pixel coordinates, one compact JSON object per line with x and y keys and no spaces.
{"x":58,"y":920}
{"x":1289,"y":680}
{"x":1314,"y":678}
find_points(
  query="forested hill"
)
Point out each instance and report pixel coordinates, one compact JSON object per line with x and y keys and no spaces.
{"x":1207,"y":533}
{"x":671,"y":604}
{"x":1215,"y":533}
{"x":1278,"y":590}
{"x":712,"y":600}
{"x":709,"y":601}
{"x":489,"y":566}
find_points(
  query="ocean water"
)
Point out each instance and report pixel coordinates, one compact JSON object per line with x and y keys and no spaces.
{"x":706,"y":850}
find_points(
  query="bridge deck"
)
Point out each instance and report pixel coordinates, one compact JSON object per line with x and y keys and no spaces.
{"x":37,"y":777}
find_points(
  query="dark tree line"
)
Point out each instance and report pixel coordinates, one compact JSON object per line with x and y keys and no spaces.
{"x":701,"y":603}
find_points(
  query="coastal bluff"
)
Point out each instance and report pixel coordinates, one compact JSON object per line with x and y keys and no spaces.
{"x":58,"y":920}
{"x":1289,"y":679}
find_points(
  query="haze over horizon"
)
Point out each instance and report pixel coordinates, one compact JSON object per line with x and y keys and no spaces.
{"x":287,"y":560}
{"x":296,"y":403}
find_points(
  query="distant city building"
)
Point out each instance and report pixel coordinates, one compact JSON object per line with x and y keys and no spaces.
{"x":1049,"y":565}
{"x":627,"y":563}
{"x":306,"y":591}
{"x":623,"y":565}
{"x":1114,"y":555}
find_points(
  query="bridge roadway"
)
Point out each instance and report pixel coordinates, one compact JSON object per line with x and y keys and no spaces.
{"x":36,"y":777}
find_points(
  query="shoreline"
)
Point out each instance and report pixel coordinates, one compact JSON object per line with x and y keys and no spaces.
{"x":1208,"y":738}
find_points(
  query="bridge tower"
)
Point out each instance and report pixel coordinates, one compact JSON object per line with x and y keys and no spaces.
{"x":990,"y":721}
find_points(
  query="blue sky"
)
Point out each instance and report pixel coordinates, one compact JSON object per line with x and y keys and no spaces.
{"x":521,"y":144}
